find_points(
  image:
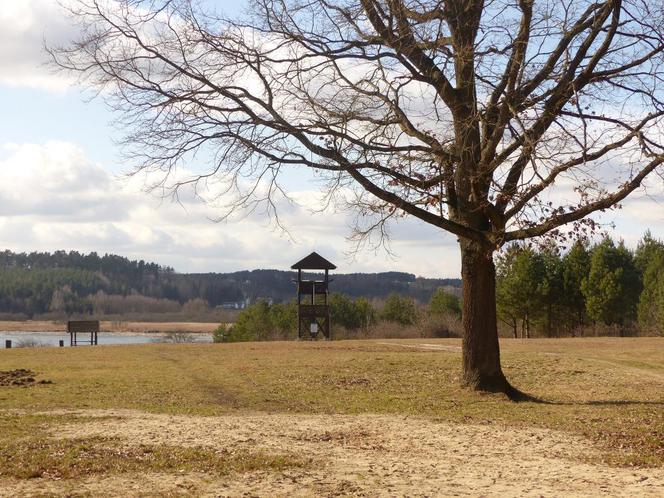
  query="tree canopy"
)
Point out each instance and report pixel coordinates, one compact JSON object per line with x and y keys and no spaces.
{"x":587,"y":289}
{"x":444,"y":110}
{"x":649,"y":259}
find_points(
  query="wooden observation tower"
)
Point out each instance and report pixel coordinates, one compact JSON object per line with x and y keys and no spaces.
{"x":313,"y":310}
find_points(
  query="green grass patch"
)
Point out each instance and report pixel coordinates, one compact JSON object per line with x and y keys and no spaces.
{"x":28,"y":450}
{"x":74,"y":458}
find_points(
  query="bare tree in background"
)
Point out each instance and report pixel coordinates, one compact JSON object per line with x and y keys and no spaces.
{"x":495,"y":121}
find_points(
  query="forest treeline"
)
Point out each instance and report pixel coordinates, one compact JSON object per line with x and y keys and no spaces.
{"x":72,"y":283}
{"x":540,"y":291}
{"x":589,"y":289}
{"x":600,"y":289}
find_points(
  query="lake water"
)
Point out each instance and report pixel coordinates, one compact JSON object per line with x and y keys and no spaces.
{"x":53,"y":338}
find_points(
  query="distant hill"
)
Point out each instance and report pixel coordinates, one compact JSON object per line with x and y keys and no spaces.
{"x":278,"y":285}
{"x":72,"y":282}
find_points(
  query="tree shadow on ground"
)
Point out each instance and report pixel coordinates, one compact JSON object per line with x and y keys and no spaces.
{"x":614,"y":402}
{"x":519,"y":396}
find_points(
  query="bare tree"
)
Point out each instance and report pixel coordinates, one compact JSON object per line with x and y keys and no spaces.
{"x":493,"y":120}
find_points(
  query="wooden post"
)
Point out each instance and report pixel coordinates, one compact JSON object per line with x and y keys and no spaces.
{"x":326,"y":320}
{"x":8,"y":343}
{"x":299,"y":302}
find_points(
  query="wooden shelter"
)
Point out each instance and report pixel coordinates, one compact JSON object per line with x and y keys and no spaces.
{"x":313,"y":310}
{"x":83,"y":327}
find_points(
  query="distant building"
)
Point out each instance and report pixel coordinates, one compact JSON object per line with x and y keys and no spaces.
{"x":233,"y":305}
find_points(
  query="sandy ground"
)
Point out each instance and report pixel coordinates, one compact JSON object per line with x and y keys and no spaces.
{"x":110,"y":326}
{"x":362,"y":455}
{"x":423,"y":346}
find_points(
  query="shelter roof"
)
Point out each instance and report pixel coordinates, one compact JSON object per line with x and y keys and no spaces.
{"x":313,"y":262}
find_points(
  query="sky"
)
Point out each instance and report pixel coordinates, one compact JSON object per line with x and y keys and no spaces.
{"x":63,"y":185}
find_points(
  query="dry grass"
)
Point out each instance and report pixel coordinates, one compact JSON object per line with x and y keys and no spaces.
{"x":607,"y":389}
{"x":162,"y":327}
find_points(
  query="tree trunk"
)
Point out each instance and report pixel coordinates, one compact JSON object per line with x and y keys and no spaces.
{"x":481,"y":351}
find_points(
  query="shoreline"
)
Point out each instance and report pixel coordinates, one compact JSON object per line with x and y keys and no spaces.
{"x":115,"y":326}
{"x":58,"y":333}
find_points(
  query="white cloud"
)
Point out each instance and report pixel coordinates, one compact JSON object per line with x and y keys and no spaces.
{"x":55,"y":182}
{"x":52,"y":197}
{"x":639,"y":213}
{"x":24,"y":25}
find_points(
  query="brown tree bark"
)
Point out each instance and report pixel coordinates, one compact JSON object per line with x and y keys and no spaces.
{"x":481,"y":350}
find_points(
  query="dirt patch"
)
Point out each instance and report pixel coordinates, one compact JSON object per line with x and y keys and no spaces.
{"x":355,"y":455}
{"x":19,"y":378}
{"x":424,"y":347}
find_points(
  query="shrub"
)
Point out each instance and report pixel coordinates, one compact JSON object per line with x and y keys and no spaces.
{"x":252,"y":324}
{"x":262,"y":321}
{"x":219,"y":334}
{"x":444,"y":303}
{"x":401,"y":310}
{"x":177,"y":337}
{"x":351,"y":314}
{"x":447,"y":325}
{"x":109,"y":304}
{"x":283,"y":319}
{"x":366,"y":312}
{"x":194,"y":306}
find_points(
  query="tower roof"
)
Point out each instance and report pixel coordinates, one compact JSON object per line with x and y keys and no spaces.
{"x":313,"y":262}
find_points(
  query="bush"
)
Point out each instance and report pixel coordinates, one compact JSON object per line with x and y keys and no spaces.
{"x":195,"y":306}
{"x":179,"y":337}
{"x":366,"y":312}
{"x":401,"y":310}
{"x":444,"y":303}
{"x":441,"y":326}
{"x":252,"y":324}
{"x":351,"y":314}
{"x":109,"y":304}
{"x":219,"y":334}
{"x":283,"y":319}
{"x":262,"y":321}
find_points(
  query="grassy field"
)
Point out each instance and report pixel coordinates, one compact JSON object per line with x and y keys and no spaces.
{"x":608,"y":390}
